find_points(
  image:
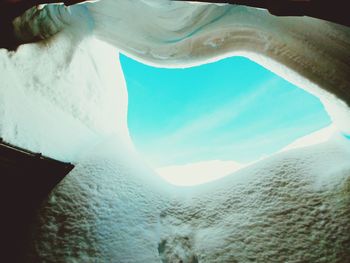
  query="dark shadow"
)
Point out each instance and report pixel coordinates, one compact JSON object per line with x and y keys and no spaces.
{"x":10,"y":9}
{"x":26,"y":180}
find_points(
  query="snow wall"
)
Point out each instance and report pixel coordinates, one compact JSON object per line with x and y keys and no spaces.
{"x":66,"y":97}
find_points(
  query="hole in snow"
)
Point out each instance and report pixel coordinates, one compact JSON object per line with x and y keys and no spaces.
{"x":179,"y":249}
{"x":198,"y":124}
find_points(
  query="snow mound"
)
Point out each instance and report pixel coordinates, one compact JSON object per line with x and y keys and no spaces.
{"x":293,"y":207}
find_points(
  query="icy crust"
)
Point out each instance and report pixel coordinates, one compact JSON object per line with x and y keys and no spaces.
{"x":55,"y":100}
{"x":293,"y":207}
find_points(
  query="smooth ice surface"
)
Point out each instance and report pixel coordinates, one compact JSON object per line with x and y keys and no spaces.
{"x":66,"y":97}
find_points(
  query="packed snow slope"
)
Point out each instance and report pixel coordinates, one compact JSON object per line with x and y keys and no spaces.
{"x":66,"y":97}
{"x":292,"y":207}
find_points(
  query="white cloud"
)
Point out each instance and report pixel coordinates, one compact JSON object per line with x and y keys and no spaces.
{"x":216,"y":118}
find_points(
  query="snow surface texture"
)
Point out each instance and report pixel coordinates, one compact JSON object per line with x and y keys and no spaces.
{"x":66,"y":97}
{"x":55,"y":99}
{"x":294,"y":207}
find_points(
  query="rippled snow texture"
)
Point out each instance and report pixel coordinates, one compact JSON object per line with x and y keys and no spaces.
{"x":293,"y":207}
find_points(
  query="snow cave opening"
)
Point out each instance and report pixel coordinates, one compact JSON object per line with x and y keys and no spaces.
{"x":198,"y":124}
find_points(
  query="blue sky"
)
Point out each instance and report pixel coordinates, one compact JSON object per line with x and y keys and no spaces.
{"x":233,"y":109}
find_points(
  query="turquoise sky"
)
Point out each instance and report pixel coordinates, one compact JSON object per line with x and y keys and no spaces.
{"x":233,"y":109}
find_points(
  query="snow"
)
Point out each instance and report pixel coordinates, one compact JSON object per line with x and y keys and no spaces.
{"x":316,"y":137}
{"x":198,"y":173}
{"x":54,"y":99}
{"x":192,"y":174}
{"x":293,"y":207}
{"x":178,"y":34}
{"x":66,"y":97}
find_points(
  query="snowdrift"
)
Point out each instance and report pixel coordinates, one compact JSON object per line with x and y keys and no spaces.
{"x":293,"y":207}
{"x":65,"y":97}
